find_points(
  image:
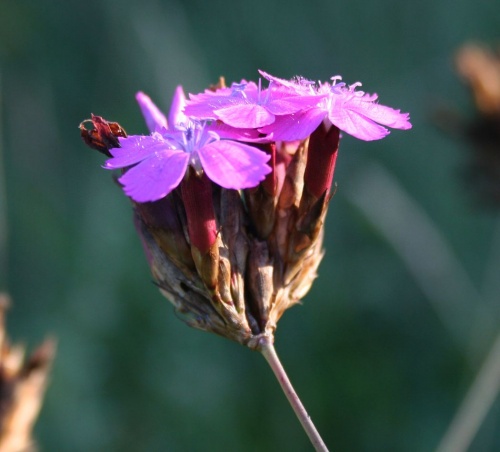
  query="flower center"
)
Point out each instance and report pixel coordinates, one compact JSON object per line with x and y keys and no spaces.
{"x":190,"y":137}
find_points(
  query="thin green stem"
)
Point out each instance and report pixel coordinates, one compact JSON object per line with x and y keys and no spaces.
{"x":269,"y":353}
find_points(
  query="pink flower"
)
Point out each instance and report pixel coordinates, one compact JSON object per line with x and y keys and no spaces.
{"x":157,"y":163}
{"x":291,"y":110}
{"x":353,"y":112}
{"x":246,"y":105}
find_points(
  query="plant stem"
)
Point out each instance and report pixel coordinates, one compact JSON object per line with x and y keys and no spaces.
{"x":268,"y":351}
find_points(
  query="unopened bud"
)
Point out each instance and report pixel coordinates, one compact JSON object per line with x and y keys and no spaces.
{"x":197,"y":198}
{"x":322,"y":155}
{"x":103,"y":136}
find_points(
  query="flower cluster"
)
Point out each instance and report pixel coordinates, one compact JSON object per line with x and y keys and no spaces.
{"x":209,"y":132}
{"x":292,"y":110}
{"x":230,"y":192}
{"x":159,"y":161}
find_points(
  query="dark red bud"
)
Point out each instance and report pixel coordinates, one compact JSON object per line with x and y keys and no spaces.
{"x":103,"y":136}
{"x":321,"y":157}
{"x":197,"y":197}
{"x":270,"y":182}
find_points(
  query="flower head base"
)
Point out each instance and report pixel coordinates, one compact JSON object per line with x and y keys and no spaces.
{"x":231,"y":190}
{"x":241,"y":286}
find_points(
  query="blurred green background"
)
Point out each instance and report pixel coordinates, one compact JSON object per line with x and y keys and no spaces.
{"x":406,"y":306}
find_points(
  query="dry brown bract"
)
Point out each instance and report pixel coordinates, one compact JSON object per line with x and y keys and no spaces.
{"x":22,"y":386}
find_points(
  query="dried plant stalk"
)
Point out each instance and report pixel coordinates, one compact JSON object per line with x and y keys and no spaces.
{"x":22,"y":387}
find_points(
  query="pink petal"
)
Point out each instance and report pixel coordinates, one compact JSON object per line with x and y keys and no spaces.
{"x":234,"y":165}
{"x":134,"y":149}
{"x":246,"y":116}
{"x":357,"y":125}
{"x":204,"y":108}
{"x":234,"y":133}
{"x":292,"y":104}
{"x":203,"y":105}
{"x":155,"y":177}
{"x":296,"y":126}
{"x":249,"y":88}
{"x":382,"y":114}
{"x":176,"y":115}
{"x":291,"y":84}
{"x":155,"y":119}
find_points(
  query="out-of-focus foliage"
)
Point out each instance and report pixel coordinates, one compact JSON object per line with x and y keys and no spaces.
{"x":406,"y":306}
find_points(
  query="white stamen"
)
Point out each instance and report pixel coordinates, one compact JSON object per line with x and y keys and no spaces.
{"x":354,"y":86}
{"x":335,"y":78}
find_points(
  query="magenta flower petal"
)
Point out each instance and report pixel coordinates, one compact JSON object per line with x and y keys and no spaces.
{"x":156,"y":176}
{"x":354,"y":112}
{"x":357,"y":125}
{"x":300,"y":86}
{"x":283,"y":105}
{"x":249,"y":116}
{"x":280,"y":81}
{"x":248,"y":106}
{"x":235,"y":133}
{"x":202,"y":110}
{"x":176,"y":115}
{"x":382,"y":114}
{"x":296,"y":126}
{"x":234,"y":165}
{"x":155,"y":119}
{"x":296,"y":84}
{"x":201,"y":132}
{"x":134,"y":149}
{"x":203,"y":105}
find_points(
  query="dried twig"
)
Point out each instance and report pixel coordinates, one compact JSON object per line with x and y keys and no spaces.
{"x":22,"y":386}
